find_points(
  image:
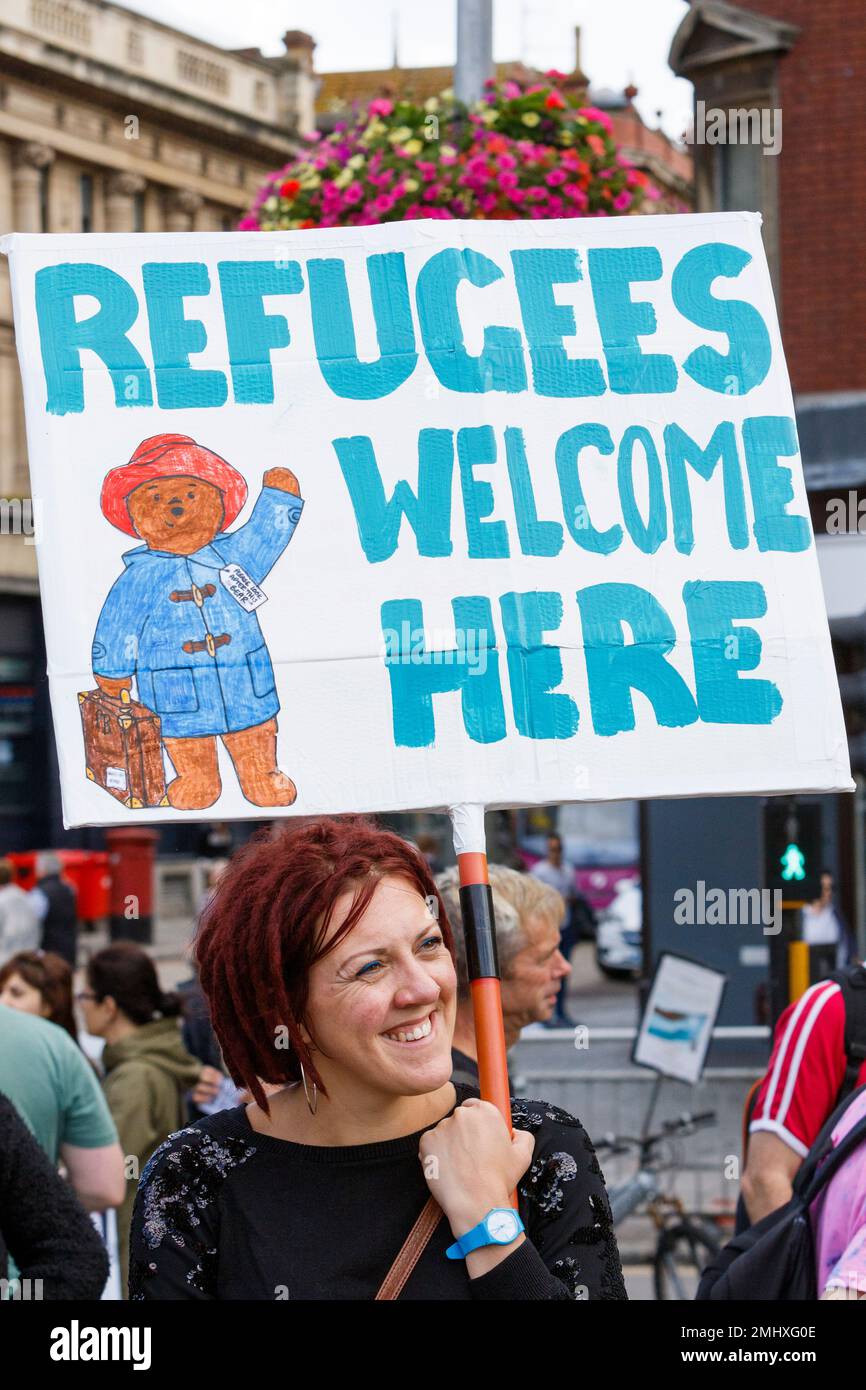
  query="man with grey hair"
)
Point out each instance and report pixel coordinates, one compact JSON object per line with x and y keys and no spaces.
{"x":55,"y":904}
{"x":528,"y":915}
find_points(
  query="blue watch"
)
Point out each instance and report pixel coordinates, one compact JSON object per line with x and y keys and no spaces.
{"x":500,"y":1226}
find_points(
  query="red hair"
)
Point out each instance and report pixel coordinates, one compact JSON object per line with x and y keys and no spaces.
{"x":266,"y":924}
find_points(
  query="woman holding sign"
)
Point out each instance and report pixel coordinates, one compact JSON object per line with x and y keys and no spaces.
{"x":326,"y":956}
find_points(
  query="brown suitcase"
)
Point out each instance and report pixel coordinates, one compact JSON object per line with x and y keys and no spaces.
{"x":123,"y":748}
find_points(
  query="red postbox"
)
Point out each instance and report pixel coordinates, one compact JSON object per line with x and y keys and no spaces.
{"x":87,"y":871}
{"x":131,"y":861}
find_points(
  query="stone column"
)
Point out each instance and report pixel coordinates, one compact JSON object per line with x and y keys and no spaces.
{"x":120,"y":194}
{"x":7,"y":224}
{"x":29,"y":161}
{"x":180,"y":209}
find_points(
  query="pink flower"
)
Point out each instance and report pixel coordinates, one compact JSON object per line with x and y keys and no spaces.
{"x":380,"y":107}
{"x":354,"y":193}
{"x":384,"y":202}
{"x":576,"y":194}
{"x":508,"y":181}
{"x":592,"y":113}
{"x":507,"y":161}
{"x":511,"y":91}
{"x":248,"y":223}
{"x":622,"y":200}
{"x":556,"y":176}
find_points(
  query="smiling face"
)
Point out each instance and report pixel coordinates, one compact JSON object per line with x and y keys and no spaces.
{"x":178,"y":514}
{"x":381,"y":1005}
{"x":529,"y":991}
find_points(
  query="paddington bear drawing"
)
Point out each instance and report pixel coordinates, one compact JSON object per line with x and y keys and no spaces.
{"x":181,"y":618}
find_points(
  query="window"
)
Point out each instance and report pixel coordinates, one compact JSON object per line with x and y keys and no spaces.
{"x":43,"y":199}
{"x":86,"y":192}
{"x":135,"y":47}
{"x":739,"y":177}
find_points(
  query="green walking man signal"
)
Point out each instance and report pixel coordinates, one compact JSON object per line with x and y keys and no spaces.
{"x":793,"y":863}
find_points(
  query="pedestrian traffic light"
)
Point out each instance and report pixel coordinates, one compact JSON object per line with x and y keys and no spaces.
{"x":792,"y":849}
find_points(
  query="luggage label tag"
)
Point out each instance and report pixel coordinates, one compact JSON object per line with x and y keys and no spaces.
{"x":242,"y":588}
{"x":116,"y":777}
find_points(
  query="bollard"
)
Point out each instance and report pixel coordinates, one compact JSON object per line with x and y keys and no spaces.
{"x":798,"y":969}
{"x":131,"y":856}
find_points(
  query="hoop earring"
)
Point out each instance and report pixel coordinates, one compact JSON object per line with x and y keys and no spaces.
{"x":312,"y":1104}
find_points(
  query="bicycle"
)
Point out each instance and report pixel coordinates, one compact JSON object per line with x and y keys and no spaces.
{"x":686,"y":1242}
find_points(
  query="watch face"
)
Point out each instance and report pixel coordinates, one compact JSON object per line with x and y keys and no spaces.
{"x":502,"y":1226}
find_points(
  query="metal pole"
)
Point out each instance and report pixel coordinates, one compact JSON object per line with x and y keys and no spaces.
{"x":474,"y":48}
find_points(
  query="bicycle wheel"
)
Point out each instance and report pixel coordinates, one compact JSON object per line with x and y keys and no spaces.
{"x":682,"y":1253}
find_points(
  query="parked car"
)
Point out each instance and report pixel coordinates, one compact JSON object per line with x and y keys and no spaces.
{"x":619,"y":938}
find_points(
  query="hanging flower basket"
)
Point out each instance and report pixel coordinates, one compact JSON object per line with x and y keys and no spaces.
{"x":522,"y":151}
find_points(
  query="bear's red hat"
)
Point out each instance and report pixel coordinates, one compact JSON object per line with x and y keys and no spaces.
{"x":168,"y":456}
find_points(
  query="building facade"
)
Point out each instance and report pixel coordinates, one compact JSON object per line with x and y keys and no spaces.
{"x":109,"y":121}
{"x":789,"y":79}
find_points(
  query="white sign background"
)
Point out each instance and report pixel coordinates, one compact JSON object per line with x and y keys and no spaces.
{"x":322,"y":618}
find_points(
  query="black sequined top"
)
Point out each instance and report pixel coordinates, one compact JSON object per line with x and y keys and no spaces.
{"x":224,"y":1212}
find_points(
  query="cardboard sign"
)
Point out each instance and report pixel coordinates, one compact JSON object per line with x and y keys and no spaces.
{"x":404,"y":516}
{"x":679,"y":1017}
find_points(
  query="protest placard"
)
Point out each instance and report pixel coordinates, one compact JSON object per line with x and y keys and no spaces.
{"x":413,"y":515}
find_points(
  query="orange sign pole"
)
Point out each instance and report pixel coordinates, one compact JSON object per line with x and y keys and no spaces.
{"x":476,"y":903}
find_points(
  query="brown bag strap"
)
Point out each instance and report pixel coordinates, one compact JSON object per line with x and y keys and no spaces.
{"x":413,"y":1248}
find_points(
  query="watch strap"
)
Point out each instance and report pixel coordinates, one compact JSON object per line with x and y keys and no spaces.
{"x":479,"y":1236}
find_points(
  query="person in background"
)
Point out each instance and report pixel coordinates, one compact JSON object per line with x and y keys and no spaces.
{"x":560,"y":876}
{"x":800,"y":1090}
{"x":19,"y":921}
{"x":42,"y":1224}
{"x":838,"y":1216}
{"x":216,"y":841}
{"x":215,"y":869}
{"x":55,"y":1090}
{"x":148,"y":1071}
{"x":55,"y":904}
{"x":40,"y":983}
{"x":528,"y":914}
{"x":824,"y":926}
